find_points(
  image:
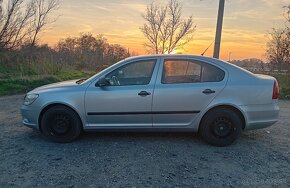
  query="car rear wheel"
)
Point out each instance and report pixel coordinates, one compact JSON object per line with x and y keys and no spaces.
{"x":61,"y":124}
{"x":221,"y":127}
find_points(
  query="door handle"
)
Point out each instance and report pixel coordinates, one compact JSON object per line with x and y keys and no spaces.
{"x":144,"y":93}
{"x":208,"y":91}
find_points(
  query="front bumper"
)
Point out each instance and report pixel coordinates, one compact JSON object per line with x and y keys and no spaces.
{"x":29,"y":116}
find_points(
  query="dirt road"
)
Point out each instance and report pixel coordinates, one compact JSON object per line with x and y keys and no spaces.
{"x":260,"y":158}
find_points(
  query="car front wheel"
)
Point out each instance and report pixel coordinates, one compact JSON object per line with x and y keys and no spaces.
{"x":61,"y":124}
{"x":221,"y":127}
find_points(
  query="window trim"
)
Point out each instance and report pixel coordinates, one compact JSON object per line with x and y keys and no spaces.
{"x":132,"y":62}
{"x":199,"y":62}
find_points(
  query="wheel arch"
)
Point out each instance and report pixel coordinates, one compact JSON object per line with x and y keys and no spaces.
{"x":48,"y":106}
{"x":238,"y":111}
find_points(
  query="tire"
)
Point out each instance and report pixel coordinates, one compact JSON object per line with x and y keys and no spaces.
{"x":61,"y":124}
{"x":220,"y":127}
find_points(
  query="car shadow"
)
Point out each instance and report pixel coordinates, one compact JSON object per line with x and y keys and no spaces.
{"x":139,"y":136}
{"x":256,"y":138}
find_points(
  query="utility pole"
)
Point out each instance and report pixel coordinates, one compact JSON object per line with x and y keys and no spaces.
{"x":230,"y":55}
{"x":219,"y":28}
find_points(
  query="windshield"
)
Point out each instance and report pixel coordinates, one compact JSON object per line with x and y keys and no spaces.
{"x":101,"y":72}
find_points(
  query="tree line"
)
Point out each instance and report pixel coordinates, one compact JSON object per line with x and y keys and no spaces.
{"x":165,"y":30}
{"x":90,"y":51}
{"x":84,"y":52}
{"x":21,"y":22}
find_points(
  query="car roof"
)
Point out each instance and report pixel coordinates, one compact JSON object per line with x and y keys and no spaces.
{"x":224,"y":64}
{"x":176,"y":56}
{"x":197,"y":57}
{"x":167,"y":55}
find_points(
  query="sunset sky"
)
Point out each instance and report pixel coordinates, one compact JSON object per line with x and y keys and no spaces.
{"x":246,"y":24}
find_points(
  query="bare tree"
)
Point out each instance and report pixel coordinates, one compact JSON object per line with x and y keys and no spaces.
{"x":287,"y":13}
{"x":21,"y":21}
{"x":10,"y":22}
{"x":278,"y":47}
{"x":1,"y":1}
{"x":165,"y":30}
{"x":41,"y":17}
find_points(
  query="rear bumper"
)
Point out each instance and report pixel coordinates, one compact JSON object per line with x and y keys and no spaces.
{"x":260,"y":116}
{"x":260,"y":125}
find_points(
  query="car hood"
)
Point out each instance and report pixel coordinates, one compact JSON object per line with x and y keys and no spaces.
{"x":58,"y":85}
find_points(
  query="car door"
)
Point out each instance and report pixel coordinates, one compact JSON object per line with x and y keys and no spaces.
{"x":127,"y":100}
{"x":184,"y":87}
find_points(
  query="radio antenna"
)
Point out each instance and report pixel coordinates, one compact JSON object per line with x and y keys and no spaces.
{"x":207,"y":48}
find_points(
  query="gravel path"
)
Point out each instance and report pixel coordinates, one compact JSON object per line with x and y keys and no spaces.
{"x":259,"y":159}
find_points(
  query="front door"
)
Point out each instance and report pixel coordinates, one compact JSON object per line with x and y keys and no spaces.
{"x":127,"y":101}
{"x":183,"y":88}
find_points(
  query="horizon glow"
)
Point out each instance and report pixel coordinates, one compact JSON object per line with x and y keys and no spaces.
{"x":246,"y":24}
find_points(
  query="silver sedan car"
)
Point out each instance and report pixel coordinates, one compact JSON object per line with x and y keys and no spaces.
{"x":157,"y":93}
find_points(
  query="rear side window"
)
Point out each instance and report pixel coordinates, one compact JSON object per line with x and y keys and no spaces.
{"x":211,"y":73}
{"x":190,"y":71}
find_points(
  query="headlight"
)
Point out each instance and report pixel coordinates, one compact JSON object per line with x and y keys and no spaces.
{"x":30,"y":98}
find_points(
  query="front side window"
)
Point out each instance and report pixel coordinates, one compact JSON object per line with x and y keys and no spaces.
{"x":190,"y":71}
{"x":137,"y":73}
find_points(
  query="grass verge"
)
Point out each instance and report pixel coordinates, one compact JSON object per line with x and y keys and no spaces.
{"x":17,"y":85}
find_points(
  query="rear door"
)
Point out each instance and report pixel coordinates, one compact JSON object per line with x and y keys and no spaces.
{"x":184,"y":87}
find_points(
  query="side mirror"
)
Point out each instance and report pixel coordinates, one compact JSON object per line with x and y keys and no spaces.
{"x":102,"y":82}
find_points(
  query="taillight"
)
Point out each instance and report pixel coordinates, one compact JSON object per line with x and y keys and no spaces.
{"x":275,"y":90}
